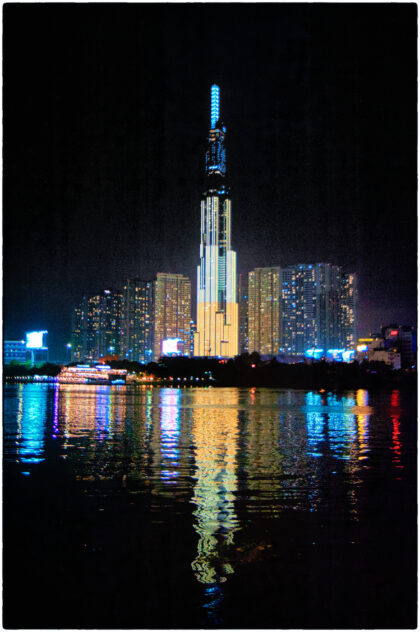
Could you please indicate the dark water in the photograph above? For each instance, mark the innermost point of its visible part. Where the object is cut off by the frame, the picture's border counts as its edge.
(147, 507)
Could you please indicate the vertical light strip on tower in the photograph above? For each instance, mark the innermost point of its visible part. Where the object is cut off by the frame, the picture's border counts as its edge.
(215, 105)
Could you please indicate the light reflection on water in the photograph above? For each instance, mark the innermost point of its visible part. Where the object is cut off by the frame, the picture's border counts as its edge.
(202, 450)
(215, 440)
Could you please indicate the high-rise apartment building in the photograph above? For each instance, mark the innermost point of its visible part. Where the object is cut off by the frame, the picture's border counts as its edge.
(217, 307)
(138, 320)
(97, 325)
(349, 310)
(263, 310)
(301, 307)
(298, 309)
(79, 331)
(243, 313)
(172, 311)
(318, 308)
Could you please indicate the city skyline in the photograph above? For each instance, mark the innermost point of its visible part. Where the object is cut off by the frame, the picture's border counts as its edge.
(103, 152)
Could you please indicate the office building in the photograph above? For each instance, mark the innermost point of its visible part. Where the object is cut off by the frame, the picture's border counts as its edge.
(172, 311)
(401, 339)
(217, 307)
(263, 310)
(14, 351)
(138, 321)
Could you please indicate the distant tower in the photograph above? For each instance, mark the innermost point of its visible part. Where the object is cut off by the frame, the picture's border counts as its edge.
(172, 311)
(217, 307)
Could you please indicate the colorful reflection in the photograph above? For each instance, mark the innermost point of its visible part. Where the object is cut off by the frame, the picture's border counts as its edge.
(396, 430)
(331, 425)
(31, 422)
(55, 418)
(215, 439)
(170, 400)
(104, 410)
(362, 401)
(263, 455)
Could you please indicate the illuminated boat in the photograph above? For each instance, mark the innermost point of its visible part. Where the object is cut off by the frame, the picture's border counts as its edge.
(92, 374)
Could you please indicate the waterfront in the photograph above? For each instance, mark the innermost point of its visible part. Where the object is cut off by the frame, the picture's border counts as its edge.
(200, 507)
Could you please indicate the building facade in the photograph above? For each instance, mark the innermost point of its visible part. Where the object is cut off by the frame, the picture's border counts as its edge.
(298, 308)
(138, 320)
(264, 310)
(401, 339)
(97, 324)
(217, 307)
(298, 322)
(349, 310)
(318, 308)
(14, 351)
(243, 313)
(172, 311)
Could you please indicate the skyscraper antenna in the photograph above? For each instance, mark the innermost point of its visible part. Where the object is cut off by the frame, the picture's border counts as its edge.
(215, 105)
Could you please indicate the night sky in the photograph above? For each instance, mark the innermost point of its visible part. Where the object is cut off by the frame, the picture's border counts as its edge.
(106, 113)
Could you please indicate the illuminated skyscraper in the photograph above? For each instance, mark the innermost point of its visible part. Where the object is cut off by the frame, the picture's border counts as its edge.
(217, 307)
(318, 308)
(263, 310)
(243, 313)
(348, 309)
(138, 320)
(97, 326)
(172, 311)
(298, 309)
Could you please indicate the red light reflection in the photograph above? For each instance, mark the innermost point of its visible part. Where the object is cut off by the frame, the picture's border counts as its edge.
(396, 430)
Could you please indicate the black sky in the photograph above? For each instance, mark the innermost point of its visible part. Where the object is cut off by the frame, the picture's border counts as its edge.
(106, 112)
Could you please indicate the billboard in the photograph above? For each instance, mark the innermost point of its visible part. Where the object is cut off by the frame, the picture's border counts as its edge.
(170, 346)
(36, 339)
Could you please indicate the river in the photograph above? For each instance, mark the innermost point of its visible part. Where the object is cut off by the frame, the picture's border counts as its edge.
(152, 507)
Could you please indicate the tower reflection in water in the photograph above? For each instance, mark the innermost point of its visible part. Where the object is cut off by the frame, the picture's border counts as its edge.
(215, 439)
(170, 429)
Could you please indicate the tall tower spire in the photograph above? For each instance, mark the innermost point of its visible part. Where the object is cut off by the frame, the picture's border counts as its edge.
(215, 105)
(217, 308)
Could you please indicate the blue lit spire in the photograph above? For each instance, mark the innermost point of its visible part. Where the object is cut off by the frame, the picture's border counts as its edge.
(215, 105)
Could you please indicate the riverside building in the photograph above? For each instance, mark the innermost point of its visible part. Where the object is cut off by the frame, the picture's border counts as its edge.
(138, 321)
(217, 307)
(172, 311)
(243, 313)
(263, 310)
(97, 323)
(318, 308)
(303, 307)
